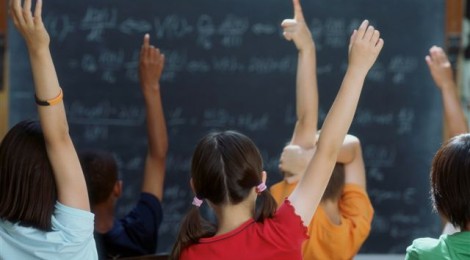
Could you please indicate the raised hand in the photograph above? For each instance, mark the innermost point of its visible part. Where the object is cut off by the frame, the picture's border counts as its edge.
(150, 65)
(364, 48)
(296, 29)
(440, 67)
(150, 71)
(31, 27)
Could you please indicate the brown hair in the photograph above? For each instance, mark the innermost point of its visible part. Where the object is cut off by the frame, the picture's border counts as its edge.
(450, 180)
(27, 186)
(101, 174)
(335, 186)
(225, 168)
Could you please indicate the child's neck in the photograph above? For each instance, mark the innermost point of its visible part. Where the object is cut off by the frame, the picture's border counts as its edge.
(231, 217)
(331, 209)
(104, 218)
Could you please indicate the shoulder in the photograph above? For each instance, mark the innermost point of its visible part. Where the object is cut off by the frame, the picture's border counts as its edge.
(72, 221)
(278, 186)
(355, 200)
(149, 200)
(143, 220)
(425, 248)
(286, 224)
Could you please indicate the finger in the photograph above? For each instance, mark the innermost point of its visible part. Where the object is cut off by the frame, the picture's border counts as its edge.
(17, 12)
(287, 36)
(441, 55)
(362, 29)
(162, 60)
(435, 54)
(146, 40)
(155, 55)
(380, 44)
(145, 46)
(353, 37)
(38, 12)
(428, 60)
(28, 16)
(298, 14)
(375, 36)
(369, 32)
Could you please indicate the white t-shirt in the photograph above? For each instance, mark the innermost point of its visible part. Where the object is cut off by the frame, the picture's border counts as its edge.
(71, 237)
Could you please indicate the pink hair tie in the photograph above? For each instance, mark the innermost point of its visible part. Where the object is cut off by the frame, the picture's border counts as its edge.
(197, 202)
(260, 188)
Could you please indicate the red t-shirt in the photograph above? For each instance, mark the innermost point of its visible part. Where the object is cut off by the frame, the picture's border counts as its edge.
(280, 237)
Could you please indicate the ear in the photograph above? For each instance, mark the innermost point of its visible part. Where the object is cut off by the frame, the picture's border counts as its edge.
(264, 176)
(117, 190)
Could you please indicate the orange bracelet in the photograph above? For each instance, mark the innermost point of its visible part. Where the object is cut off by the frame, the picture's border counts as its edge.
(50, 102)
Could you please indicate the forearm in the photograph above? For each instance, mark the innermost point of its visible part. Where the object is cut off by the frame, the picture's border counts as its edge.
(53, 119)
(154, 172)
(306, 99)
(454, 116)
(156, 126)
(341, 114)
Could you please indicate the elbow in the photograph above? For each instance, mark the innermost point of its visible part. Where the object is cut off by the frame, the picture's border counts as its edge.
(328, 150)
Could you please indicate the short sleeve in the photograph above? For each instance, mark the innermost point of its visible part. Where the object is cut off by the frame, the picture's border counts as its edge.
(77, 225)
(138, 230)
(411, 253)
(286, 228)
(356, 208)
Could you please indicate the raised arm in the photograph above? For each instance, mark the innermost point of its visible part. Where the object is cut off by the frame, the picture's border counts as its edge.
(295, 159)
(68, 174)
(365, 46)
(351, 156)
(307, 91)
(441, 72)
(150, 68)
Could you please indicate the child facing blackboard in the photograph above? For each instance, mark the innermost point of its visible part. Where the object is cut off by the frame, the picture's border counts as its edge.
(450, 178)
(44, 208)
(227, 173)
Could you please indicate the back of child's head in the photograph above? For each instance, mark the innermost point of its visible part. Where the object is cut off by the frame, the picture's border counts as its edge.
(226, 166)
(28, 191)
(335, 186)
(450, 180)
(101, 174)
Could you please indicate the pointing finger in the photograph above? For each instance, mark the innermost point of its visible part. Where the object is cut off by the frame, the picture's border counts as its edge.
(298, 14)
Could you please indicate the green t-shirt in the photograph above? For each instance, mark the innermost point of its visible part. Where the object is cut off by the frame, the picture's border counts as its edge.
(456, 246)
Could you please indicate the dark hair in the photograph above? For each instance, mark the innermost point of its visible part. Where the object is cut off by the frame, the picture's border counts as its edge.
(335, 186)
(225, 168)
(101, 174)
(28, 191)
(450, 180)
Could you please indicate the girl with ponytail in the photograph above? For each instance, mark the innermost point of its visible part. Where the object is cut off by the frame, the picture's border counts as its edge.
(227, 172)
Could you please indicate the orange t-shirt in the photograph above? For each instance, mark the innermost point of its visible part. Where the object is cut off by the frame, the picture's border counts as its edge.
(328, 240)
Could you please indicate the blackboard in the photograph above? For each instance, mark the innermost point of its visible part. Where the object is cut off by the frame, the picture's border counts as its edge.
(228, 67)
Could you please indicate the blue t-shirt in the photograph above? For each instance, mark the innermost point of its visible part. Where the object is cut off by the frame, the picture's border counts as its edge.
(134, 235)
(71, 237)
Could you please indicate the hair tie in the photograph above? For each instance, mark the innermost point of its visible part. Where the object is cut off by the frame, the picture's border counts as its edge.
(260, 188)
(197, 202)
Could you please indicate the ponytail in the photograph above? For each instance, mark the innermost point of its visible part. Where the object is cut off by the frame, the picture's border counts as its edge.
(193, 227)
(267, 206)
